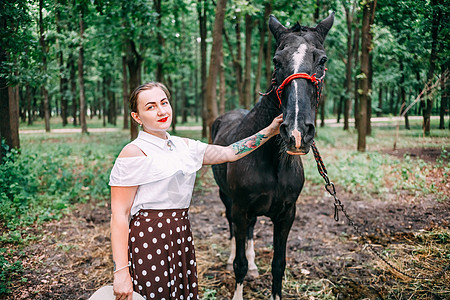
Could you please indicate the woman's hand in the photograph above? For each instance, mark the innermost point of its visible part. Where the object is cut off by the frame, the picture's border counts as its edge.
(123, 288)
(274, 127)
(216, 154)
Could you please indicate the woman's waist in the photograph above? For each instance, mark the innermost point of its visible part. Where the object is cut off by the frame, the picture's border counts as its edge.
(171, 213)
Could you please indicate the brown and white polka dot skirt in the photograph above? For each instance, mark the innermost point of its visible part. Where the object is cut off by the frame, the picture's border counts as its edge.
(162, 255)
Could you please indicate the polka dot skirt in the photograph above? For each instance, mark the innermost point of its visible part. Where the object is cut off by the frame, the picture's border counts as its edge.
(162, 256)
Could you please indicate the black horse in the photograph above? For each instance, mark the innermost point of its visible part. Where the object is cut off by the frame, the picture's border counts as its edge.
(269, 181)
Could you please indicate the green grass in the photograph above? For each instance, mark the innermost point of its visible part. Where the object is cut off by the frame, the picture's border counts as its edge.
(55, 171)
(372, 172)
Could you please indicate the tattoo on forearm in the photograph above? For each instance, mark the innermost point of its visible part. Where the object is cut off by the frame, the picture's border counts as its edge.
(249, 143)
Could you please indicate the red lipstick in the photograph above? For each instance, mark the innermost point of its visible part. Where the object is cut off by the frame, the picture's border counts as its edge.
(163, 120)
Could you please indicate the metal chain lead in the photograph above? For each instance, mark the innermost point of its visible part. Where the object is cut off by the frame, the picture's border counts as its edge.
(329, 186)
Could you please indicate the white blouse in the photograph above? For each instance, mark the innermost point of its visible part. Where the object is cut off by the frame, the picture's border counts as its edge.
(165, 176)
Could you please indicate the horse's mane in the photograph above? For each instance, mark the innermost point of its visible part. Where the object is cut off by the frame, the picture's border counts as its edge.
(299, 28)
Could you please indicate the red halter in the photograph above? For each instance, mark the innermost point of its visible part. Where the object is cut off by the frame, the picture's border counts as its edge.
(316, 81)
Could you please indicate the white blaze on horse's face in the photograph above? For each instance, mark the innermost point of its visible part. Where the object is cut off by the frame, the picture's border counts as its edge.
(298, 57)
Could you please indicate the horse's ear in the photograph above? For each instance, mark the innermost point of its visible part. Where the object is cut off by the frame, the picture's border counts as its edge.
(323, 27)
(275, 27)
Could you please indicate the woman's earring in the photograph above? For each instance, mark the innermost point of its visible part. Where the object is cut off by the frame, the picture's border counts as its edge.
(140, 124)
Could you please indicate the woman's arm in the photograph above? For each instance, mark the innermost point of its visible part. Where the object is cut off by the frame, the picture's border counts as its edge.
(121, 201)
(216, 154)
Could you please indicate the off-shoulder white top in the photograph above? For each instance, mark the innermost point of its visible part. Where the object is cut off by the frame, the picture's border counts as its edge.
(165, 176)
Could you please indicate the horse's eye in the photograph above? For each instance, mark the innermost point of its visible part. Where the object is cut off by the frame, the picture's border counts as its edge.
(323, 60)
(276, 63)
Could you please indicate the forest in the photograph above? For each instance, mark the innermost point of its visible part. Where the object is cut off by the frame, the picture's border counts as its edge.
(74, 60)
(67, 68)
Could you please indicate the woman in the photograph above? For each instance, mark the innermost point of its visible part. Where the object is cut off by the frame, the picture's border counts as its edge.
(152, 181)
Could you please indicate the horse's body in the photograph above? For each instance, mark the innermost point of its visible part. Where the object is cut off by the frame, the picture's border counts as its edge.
(269, 181)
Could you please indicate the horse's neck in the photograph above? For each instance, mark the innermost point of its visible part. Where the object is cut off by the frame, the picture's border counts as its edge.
(258, 118)
(263, 113)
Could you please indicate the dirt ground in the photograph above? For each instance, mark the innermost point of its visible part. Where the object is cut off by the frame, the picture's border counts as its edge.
(325, 258)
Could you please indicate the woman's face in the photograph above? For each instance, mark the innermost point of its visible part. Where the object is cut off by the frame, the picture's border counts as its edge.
(153, 112)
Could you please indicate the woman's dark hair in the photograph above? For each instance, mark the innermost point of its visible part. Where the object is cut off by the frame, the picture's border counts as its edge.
(147, 86)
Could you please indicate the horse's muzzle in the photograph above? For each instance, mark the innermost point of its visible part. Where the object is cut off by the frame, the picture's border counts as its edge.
(296, 142)
(295, 153)
(300, 151)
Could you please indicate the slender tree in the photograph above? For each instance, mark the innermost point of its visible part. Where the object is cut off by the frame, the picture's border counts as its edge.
(211, 92)
(44, 66)
(63, 83)
(125, 92)
(160, 38)
(248, 60)
(350, 10)
(83, 122)
(428, 105)
(368, 13)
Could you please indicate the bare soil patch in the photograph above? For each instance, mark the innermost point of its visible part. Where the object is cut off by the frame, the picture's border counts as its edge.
(426, 154)
(72, 257)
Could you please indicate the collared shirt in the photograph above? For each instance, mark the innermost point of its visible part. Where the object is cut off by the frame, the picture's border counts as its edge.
(165, 176)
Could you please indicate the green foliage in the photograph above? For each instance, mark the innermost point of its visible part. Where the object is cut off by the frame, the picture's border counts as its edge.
(42, 182)
(47, 178)
(8, 270)
(209, 294)
(18, 187)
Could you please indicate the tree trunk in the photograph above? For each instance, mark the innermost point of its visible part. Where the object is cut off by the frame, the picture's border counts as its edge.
(348, 68)
(322, 110)
(237, 62)
(125, 93)
(44, 67)
(356, 40)
(28, 100)
(63, 89)
(380, 100)
(268, 58)
(197, 92)
(103, 100)
(113, 107)
(81, 76)
(342, 99)
(369, 95)
(111, 101)
(62, 78)
(160, 46)
(201, 10)
(134, 61)
(444, 96)
(248, 61)
(73, 88)
(262, 35)
(14, 115)
(432, 64)
(403, 93)
(222, 87)
(213, 66)
(368, 12)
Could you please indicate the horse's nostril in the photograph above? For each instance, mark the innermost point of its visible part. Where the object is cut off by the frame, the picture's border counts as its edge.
(284, 131)
(310, 132)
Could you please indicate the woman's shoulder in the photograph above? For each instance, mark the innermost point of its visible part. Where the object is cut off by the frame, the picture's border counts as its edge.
(131, 150)
(179, 138)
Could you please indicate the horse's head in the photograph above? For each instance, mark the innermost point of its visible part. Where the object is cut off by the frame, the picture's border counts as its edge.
(299, 50)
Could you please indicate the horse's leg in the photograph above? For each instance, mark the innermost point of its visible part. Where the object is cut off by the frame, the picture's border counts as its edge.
(227, 201)
(240, 263)
(281, 230)
(250, 251)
